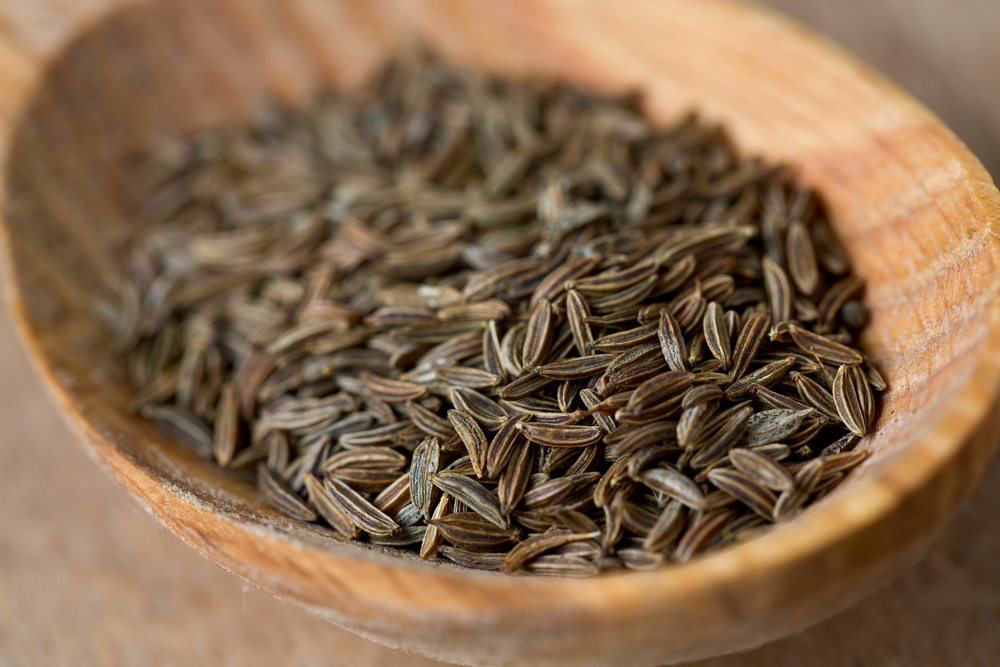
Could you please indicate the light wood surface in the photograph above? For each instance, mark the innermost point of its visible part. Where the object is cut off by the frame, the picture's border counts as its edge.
(752, 134)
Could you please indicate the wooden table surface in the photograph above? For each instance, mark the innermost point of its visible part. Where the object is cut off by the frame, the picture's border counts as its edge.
(86, 578)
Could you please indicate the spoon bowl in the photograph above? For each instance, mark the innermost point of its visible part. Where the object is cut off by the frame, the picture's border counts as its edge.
(915, 210)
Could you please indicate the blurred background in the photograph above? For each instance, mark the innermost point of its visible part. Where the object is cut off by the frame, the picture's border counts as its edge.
(86, 578)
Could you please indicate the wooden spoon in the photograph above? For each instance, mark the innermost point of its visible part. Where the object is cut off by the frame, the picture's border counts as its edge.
(915, 209)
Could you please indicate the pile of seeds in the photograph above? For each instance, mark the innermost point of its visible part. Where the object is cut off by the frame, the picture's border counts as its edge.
(502, 322)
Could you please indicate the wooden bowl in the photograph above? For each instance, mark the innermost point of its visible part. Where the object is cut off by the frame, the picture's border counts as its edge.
(915, 209)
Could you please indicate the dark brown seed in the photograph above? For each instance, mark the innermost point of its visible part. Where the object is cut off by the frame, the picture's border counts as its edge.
(424, 464)
(538, 335)
(555, 283)
(470, 378)
(505, 442)
(801, 256)
(779, 290)
(491, 350)
(560, 565)
(560, 435)
(678, 486)
(432, 539)
(429, 422)
(576, 368)
(667, 528)
(842, 444)
(766, 375)
(577, 313)
(484, 410)
(834, 299)
(853, 399)
(227, 423)
(700, 532)
(525, 386)
(717, 333)
(742, 487)
(514, 479)
(472, 436)
(670, 386)
(625, 340)
(721, 435)
(552, 491)
(279, 496)
(773, 400)
(328, 508)
(615, 281)
(672, 342)
(395, 496)
(630, 439)
(761, 468)
(815, 395)
(701, 395)
(691, 425)
(751, 336)
(380, 435)
(835, 463)
(806, 479)
(566, 394)
(475, 496)
(823, 347)
(472, 559)
(770, 426)
(468, 530)
(537, 545)
(367, 458)
(361, 513)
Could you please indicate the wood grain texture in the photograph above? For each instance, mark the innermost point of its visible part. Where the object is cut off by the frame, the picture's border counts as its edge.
(913, 207)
